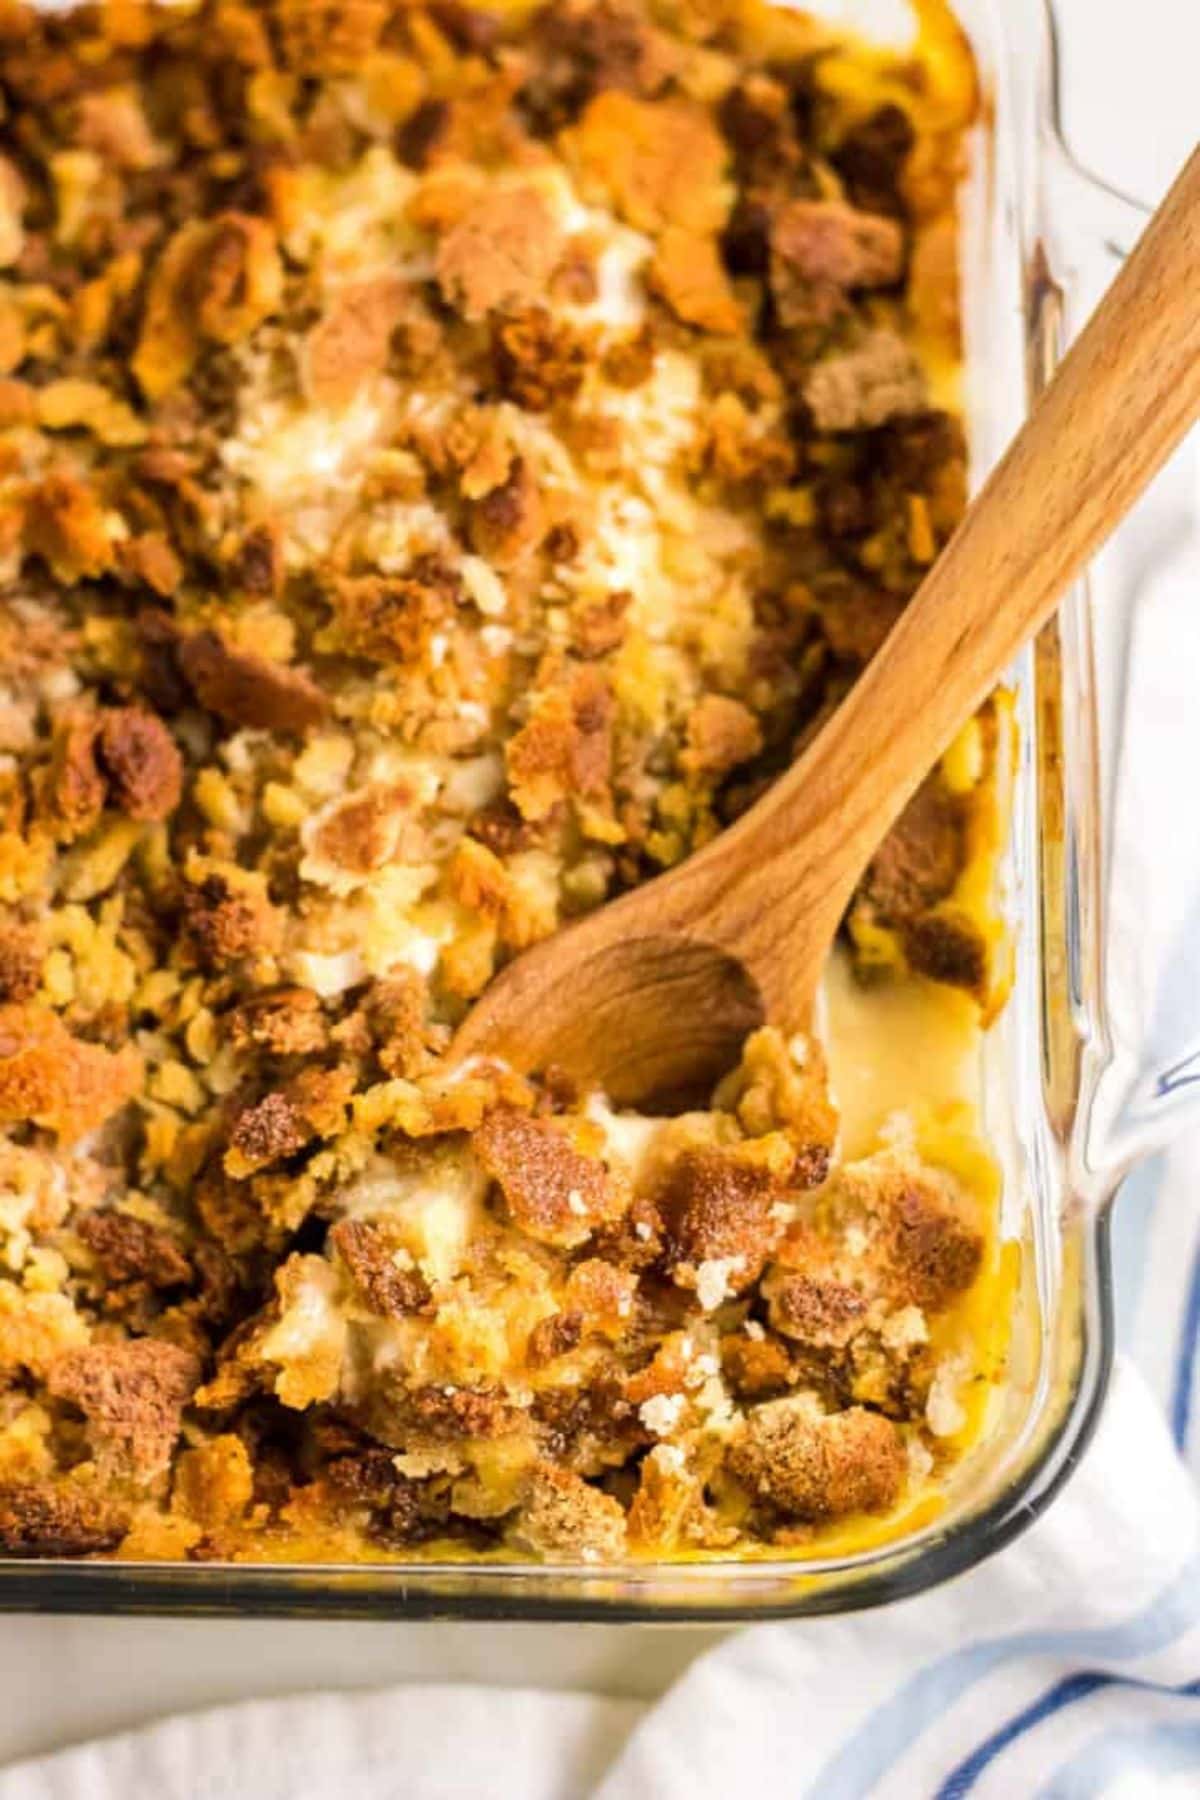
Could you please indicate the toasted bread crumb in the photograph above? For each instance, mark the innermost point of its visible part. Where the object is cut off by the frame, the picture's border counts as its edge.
(132, 1395)
(248, 690)
(541, 1174)
(689, 275)
(57, 1519)
(717, 1207)
(143, 766)
(819, 1466)
(387, 1288)
(563, 1518)
(56, 1080)
(502, 252)
(126, 1248)
(662, 163)
(352, 341)
(864, 387)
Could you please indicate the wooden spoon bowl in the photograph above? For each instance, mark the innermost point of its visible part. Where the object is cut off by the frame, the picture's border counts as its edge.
(662, 1016)
(653, 995)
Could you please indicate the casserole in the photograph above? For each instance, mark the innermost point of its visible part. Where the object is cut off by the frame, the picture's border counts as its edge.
(1057, 1366)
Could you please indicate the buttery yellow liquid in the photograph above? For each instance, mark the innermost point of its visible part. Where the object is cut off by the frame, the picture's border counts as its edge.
(908, 1046)
(894, 1047)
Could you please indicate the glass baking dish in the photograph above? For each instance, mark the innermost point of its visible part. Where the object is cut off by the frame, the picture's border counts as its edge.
(1041, 239)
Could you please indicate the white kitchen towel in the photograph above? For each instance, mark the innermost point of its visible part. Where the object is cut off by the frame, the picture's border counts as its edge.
(1153, 966)
(1065, 1667)
(419, 1743)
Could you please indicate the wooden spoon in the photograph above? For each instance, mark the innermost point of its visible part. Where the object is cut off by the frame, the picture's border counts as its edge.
(654, 993)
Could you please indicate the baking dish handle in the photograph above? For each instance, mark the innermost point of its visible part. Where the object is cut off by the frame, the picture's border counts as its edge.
(1141, 612)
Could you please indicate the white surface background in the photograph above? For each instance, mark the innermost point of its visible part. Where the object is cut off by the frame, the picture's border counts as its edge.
(1131, 69)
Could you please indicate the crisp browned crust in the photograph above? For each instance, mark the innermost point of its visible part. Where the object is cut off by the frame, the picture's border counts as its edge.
(352, 342)
(55, 1080)
(214, 1483)
(273, 1128)
(594, 46)
(386, 1287)
(552, 1192)
(143, 766)
(601, 625)
(123, 757)
(126, 1248)
(932, 1254)
(361, 833)
(397, 1513)
(65, 527)
(820, 241)
(449, 1413)
(216, 280)
(399, 1020)
(562, 1517)
(285, 1021)
(660, 163)
(248, 690)
(689, 275)
(566, 747)
(721, 733)
(822, 1313)
(21, 955)
(42, 1518)
(72, 788)
(716, 1208)
(756, 1368)
(921, 858)
(509, 520)
(875, 381)
(392, 619)
(502, 252)
(539, 361)
(132, 1396)
(224, 920)
(553, 1337)
(813, 1466)
(269, 1130)
(772, 1090)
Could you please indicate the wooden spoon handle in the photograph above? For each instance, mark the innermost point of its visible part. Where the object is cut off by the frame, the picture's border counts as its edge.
(1122, 400)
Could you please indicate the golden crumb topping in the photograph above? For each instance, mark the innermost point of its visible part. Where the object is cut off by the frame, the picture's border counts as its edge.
(451, 458)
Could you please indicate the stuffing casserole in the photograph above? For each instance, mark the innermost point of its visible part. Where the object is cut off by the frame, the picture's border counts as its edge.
(449, 460)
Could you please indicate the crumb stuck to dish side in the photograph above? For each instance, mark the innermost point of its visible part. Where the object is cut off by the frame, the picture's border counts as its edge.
(449, 462)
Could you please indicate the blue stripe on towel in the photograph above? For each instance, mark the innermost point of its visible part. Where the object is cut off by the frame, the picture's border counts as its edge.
(961, 1780)
(1063, 1694)
(1185, 1368)
(1151, 1750)
(874, 1749)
